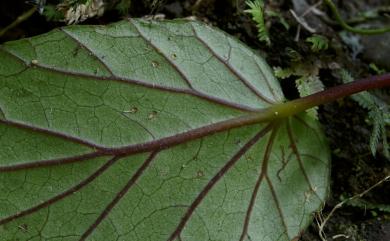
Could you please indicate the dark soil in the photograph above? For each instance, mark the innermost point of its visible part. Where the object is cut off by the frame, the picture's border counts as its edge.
(354, 169)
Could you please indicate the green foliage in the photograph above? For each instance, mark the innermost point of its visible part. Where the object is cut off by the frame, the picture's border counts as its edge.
(280, 18)
(308, 85)
(294, 55)
(376, 69)
(123, 6)
(366, 205)
(308, 81)
(283, 73)
(347, 27)
(52, 14)
(76, 2)
(39, 3)
(142, 130)
(378, 114)
(318, 43)
(256, 10)
(74, 11)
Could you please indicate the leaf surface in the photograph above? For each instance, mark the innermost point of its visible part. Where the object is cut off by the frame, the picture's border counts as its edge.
(134, 131)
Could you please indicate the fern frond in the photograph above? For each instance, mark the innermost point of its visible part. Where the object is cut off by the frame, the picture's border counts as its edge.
(256, 10)
(280, 18)
(378, 114)
(386, 117)
(376, 69)
(366, 205)
(308, 85)
(294, 55)
(318, 42)
(386, 148)
(364, 98)
(375, 115)
(283, 73)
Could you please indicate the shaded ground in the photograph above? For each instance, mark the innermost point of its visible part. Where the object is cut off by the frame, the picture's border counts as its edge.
(354, 169)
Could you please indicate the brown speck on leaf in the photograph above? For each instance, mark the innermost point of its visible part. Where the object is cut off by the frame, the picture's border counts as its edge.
(200, 173)
(155, 64)
(133, 110)
(249, 158)
(23, 227)
(152, 115)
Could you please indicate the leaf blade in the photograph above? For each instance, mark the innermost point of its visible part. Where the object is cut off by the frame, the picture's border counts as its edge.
(150, 139)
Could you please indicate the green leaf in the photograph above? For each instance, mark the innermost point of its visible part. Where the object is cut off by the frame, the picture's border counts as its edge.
(138, 131)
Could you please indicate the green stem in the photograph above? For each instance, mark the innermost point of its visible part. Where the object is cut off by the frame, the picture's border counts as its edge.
(349, 28)
(299, 105)
(284, 110)
(18, 20)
